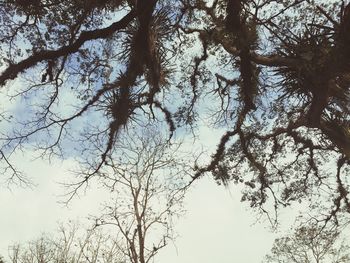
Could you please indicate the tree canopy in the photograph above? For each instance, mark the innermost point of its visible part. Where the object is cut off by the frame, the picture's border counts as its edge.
(274, 74)
(310, 243)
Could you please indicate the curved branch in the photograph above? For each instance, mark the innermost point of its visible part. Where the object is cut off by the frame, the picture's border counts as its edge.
(13, 70)
(216, 157)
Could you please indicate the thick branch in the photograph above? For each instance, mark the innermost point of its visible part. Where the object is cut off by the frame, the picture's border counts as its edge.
(13, 70)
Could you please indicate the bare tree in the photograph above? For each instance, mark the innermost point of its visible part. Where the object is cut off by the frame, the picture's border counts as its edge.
(147, 183)
(146, 179)
(71, 244)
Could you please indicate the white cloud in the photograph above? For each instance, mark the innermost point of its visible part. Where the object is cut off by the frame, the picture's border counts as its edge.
(217, 228)
(26, 213)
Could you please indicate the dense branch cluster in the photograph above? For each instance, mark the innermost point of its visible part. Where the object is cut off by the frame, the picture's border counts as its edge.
(71, 244)
(275, 73)
(310, 243)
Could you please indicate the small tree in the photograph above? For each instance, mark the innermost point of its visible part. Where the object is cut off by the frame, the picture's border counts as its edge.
(310, 244)
(146, 177)
(71, 245)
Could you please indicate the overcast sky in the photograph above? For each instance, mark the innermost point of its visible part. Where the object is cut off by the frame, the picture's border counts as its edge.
(216, 228)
